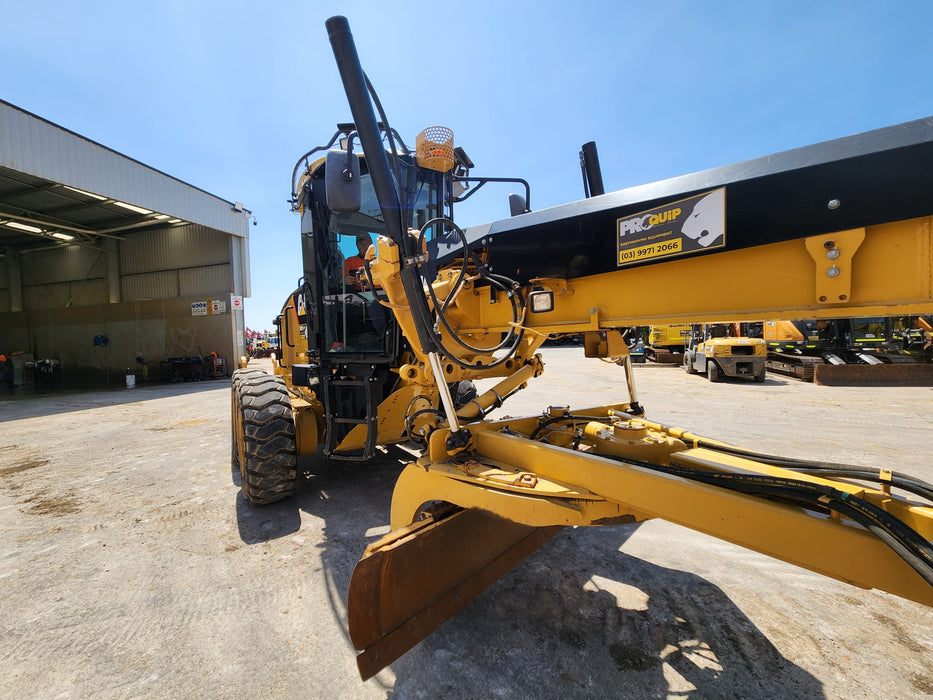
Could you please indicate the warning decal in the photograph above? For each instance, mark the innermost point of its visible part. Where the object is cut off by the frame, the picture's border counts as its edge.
(690, 225)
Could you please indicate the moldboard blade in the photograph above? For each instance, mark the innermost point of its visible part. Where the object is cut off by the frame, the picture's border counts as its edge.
(414, 579)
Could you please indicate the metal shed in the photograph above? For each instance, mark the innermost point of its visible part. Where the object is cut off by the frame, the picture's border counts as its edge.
(107, 264)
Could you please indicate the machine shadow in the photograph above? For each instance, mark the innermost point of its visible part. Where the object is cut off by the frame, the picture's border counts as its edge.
(578, 618)
(352, 499)
(568, 622)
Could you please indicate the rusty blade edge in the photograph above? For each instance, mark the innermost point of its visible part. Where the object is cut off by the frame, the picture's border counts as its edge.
(394, 644)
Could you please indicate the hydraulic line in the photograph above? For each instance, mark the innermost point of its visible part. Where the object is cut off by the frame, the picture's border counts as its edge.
(570, 418)
(512, 339)
(906, 542)
(911, 484)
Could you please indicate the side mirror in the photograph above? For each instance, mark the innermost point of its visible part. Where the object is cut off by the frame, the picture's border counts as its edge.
(517, 205)
(342, 181)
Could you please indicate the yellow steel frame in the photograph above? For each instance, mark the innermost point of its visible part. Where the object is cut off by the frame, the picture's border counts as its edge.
(879, 270)
(533, 483)
(884, 270)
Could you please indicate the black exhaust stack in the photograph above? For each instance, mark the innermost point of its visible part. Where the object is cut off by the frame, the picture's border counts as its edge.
(354, 85)
(592, 175)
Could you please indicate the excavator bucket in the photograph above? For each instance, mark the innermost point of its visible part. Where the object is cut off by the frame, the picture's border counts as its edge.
(415, 578)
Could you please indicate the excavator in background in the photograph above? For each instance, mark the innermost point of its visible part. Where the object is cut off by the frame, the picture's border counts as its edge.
(916, 337)
(666, 343)
(873, 350)
(894, 340)
(389, 355)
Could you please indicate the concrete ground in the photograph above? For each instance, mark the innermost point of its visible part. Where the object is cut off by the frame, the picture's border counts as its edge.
(132, 567)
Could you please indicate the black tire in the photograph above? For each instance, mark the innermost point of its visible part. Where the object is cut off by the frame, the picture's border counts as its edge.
(688, 363)
(713, 373)
(760, 377)
(236, 380)
(267, 455)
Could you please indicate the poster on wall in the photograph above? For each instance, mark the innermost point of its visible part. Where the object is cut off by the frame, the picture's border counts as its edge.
(199, 308)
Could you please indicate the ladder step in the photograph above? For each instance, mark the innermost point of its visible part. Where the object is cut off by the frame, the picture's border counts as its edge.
(338, 391)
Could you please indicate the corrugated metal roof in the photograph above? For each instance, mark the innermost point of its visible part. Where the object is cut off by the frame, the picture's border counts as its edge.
(37, 147)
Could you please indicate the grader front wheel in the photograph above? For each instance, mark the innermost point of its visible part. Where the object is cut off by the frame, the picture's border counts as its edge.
(236, 427)
(264, 437)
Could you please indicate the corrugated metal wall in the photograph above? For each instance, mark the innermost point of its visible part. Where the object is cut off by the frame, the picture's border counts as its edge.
(63, 264)
(173, 248)
(175, 262)
(168, 263)
(151, 285)
(63, 277)
(65, 295)
(199, 281)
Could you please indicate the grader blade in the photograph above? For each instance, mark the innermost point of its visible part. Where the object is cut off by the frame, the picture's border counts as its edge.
(412, 580)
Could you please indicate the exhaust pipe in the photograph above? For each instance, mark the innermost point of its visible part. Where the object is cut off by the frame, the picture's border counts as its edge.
(592, 174)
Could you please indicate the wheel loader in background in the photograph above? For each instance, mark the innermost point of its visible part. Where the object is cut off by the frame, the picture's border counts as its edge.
(388, 356)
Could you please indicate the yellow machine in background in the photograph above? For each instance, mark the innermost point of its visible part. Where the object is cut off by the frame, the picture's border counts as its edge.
(394, 359)
(666, 343)
(865, 351)
(719, 350)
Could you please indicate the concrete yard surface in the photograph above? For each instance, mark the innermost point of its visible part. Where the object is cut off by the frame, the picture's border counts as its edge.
(131, 566)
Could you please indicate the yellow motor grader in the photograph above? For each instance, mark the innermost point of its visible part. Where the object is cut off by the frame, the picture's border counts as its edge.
(385, 350)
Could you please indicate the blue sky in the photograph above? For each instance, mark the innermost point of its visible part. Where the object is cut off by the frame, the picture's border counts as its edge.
(228, 95)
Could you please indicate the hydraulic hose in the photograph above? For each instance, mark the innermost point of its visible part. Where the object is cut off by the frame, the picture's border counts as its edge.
(906, 542)
(512, 338)
(911, 484)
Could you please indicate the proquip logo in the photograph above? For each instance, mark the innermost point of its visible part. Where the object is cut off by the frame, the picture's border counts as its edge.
(648, 221)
